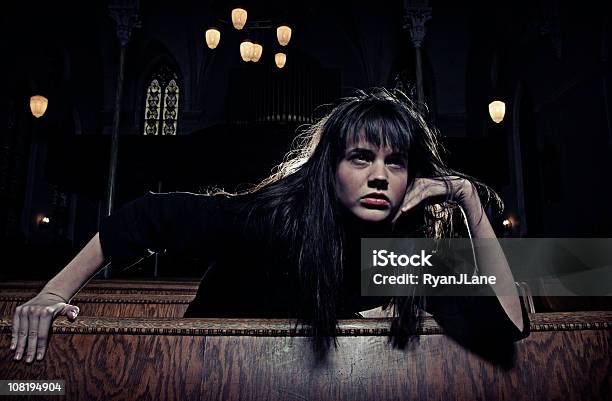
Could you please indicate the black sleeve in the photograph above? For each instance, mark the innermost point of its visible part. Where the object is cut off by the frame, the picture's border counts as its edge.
(476, 317)
(180, 222)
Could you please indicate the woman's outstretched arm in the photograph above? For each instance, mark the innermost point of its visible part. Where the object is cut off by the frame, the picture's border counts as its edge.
(32, 320)
(179, 222)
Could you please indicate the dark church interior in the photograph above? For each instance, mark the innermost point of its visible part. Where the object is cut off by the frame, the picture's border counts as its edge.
(107, 100)
(235, 120)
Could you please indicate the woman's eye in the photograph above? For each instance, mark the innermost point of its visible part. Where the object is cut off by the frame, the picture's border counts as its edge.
(360, 158)
(396, 163)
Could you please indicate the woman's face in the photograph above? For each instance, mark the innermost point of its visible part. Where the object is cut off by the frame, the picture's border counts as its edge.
(371, 182)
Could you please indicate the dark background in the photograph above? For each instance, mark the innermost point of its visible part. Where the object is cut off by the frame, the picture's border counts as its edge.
(548, 60)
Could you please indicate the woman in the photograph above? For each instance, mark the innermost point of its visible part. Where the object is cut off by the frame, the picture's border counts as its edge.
(289, 247)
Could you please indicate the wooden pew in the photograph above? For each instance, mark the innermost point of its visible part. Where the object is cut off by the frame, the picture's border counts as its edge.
(119, 298)
(117, 305)
(136, 286)
(132, 298)
(566, 357)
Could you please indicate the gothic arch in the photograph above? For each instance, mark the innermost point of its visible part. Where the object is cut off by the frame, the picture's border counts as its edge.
(161, 60)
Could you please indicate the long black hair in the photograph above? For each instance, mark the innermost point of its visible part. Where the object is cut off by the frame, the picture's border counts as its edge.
(300, 197)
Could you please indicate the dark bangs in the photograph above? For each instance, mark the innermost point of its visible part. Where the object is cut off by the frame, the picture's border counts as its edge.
(382, 124)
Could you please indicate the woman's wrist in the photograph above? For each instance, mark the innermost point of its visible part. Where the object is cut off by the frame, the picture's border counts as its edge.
(477, 221)
(55, 292)
(467, 196)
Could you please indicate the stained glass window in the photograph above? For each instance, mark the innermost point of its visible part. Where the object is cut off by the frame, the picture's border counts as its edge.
(171, 98)
(152, 106)
(162, 103)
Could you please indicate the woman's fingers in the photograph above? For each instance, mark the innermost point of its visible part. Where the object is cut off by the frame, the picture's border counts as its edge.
(15, 332)
(397, 216)
(44, 327)
(423, 188)
(33, 319)
(71, 311)
(22, 331)
(47, 314)
(31, 328)
(415, 194)
(410, 199)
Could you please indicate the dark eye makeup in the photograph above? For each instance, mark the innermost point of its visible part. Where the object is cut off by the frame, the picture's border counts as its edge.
(359, 154)
(397, 159)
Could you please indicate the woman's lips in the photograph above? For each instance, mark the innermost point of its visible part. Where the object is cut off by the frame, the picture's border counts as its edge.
(375, 201)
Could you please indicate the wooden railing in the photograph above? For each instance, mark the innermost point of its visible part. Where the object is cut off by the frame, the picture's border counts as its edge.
(120, 298)
(130, 343)
(566, 357)
(112, 286)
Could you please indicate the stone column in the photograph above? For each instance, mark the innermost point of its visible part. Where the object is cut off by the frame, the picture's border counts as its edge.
(417, 13)
(125, 14)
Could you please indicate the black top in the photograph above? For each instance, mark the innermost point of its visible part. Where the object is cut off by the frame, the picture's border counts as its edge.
(249, 273)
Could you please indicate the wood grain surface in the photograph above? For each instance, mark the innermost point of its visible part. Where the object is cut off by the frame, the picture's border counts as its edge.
(566, 357)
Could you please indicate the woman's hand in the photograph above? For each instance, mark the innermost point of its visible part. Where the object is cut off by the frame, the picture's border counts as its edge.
(32, 322)
(451, 188)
